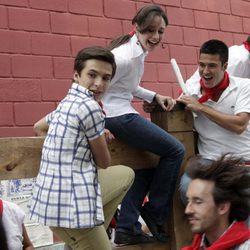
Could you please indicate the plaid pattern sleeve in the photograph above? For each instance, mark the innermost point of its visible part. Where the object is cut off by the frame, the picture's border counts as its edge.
(67, 192)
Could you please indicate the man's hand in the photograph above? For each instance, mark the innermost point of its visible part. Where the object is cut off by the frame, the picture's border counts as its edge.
(190, 102)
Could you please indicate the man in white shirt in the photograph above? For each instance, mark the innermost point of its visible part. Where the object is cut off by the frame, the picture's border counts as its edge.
(222, 105)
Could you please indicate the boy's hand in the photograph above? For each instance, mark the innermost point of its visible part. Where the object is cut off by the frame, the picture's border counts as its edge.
(108, 135)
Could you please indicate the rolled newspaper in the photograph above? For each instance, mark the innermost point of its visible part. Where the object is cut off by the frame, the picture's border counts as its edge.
(180, 79)
(179, 76)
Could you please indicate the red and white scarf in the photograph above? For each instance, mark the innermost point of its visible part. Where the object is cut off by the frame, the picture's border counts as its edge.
(237, 234)
(210, 93)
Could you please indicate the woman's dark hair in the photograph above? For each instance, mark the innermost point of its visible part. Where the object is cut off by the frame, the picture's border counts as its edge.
(95, 52)
(3, 238)
(143, 19)
(215, 47)
(232, 183)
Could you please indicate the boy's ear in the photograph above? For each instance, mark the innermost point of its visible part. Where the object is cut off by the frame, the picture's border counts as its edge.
(75, 76)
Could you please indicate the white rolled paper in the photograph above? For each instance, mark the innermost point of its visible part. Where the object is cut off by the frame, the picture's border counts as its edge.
(180, 79)
(179, 76)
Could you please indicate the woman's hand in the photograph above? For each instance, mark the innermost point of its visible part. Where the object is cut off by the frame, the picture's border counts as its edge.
(166, 102)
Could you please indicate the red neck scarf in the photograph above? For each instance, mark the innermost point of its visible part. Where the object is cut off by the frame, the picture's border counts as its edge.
(234, 236)
(132, 32)
(247, 44)
(211, 93)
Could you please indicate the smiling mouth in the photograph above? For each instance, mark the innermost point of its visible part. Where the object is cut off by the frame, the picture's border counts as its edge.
(207, 78)
(153, 43)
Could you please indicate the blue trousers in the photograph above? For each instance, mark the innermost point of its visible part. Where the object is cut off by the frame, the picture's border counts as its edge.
(159, 182)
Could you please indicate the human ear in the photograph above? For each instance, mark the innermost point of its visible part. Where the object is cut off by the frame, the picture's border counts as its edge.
(225, 66)
(76, 77)
(224, 208)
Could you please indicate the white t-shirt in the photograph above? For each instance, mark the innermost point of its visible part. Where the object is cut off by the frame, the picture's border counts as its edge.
(13, 218)
(214, 140)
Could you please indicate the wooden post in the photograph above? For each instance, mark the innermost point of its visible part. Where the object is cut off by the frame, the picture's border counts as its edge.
(179, 123)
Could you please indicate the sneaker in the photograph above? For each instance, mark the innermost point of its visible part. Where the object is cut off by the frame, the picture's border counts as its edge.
(125, 237)
(158, 231)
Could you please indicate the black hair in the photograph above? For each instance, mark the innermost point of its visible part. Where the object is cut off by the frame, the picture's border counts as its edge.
(215, 47)
(95, 52)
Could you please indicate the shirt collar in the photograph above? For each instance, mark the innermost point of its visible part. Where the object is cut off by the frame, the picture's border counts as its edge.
(79, 88)
(137, 48)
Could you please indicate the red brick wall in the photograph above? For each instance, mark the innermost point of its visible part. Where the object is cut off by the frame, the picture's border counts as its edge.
(39, 39)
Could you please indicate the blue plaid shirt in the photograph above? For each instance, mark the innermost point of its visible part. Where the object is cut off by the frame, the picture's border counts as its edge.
(67, 193)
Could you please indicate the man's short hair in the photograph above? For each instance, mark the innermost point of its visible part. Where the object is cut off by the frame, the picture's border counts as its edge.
(232, 182)
(215, 47)
(94, 52)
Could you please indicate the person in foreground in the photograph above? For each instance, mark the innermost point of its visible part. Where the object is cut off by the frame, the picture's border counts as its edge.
(74, 191)
(221, 103)
(127, 125)
(13, 234)
(218, 204)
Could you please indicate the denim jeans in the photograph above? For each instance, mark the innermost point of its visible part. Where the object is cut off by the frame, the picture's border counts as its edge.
(159, 182)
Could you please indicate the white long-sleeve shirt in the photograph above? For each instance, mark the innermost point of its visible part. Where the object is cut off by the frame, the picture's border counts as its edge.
(124, 86)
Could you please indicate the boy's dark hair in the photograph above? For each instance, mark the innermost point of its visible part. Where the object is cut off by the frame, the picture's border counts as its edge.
(144, 19)
(215, 47)
(95, 52)
(232, 183)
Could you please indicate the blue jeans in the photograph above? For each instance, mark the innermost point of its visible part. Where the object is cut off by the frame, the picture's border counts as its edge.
(159, 182)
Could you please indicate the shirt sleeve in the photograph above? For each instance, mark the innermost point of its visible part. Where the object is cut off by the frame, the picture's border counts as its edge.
(144, 94)
(49, 117)
(91, 119)
(238, 62)
(243, 98)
